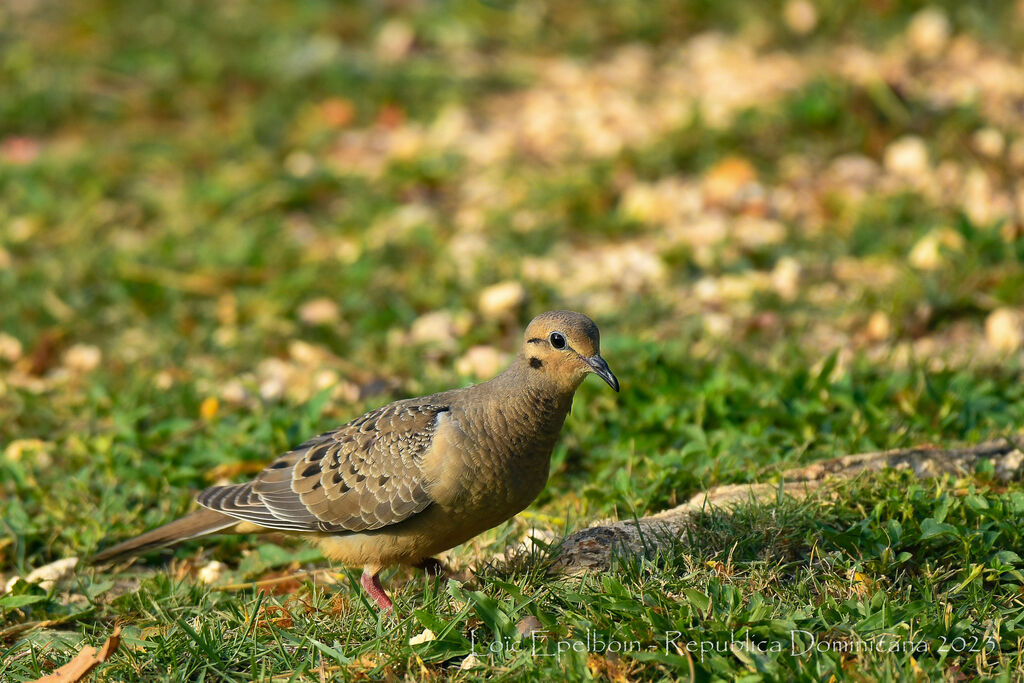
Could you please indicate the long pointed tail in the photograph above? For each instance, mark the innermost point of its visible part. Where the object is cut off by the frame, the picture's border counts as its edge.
(199, 523)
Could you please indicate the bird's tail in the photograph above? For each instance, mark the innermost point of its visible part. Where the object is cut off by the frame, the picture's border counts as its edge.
(199, 523)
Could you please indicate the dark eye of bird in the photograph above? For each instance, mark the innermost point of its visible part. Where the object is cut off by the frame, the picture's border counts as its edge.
(557, 340)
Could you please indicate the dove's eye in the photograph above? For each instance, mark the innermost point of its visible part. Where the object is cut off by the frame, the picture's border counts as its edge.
(557, 340)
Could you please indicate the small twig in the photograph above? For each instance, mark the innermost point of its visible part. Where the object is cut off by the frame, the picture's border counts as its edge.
(18, 629)
(270, 582)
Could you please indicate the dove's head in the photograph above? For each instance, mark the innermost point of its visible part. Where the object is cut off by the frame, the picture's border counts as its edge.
(566, 347)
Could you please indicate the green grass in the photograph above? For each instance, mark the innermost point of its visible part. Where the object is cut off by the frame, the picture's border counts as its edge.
(199, 173)
(921, 581)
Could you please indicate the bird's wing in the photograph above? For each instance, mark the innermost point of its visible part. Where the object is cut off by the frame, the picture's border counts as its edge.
(363, 476)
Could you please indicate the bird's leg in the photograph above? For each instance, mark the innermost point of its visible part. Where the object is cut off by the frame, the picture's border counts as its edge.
(371, 584)
(433, 567)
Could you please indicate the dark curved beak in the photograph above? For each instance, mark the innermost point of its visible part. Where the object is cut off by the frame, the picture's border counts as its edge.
(601, 369)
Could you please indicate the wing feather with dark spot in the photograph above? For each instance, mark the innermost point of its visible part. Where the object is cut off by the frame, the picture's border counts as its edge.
(363, 476)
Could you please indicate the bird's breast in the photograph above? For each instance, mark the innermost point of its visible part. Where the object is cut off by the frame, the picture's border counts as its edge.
(491, 466)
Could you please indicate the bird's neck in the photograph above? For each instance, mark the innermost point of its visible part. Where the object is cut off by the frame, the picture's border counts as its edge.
(531, 399)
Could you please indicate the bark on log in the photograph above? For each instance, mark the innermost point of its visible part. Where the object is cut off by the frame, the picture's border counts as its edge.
(593, 548)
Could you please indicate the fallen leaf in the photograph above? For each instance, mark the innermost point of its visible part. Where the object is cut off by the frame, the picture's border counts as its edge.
(426, 636)
(319, 311)
(47, 575)
(209, 407)
(1004, 329)
(10, 347)
(502, 301)
(211, 572)
(83, 358)
(85, 661)
(266, 617)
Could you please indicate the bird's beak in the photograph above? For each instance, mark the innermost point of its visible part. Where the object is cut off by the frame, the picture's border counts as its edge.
(601, 369)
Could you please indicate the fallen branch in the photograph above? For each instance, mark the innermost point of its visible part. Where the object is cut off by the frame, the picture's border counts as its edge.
(593, 548)
(312, 574)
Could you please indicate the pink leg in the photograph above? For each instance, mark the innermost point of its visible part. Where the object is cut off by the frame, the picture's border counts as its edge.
(371, 584)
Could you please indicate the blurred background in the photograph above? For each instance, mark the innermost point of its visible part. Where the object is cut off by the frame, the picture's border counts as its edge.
(225, 226)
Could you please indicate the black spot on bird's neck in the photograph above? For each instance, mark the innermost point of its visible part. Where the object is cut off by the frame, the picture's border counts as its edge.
(536, 363)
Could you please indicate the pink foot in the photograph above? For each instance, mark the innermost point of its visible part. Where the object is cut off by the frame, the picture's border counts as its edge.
(371, 584)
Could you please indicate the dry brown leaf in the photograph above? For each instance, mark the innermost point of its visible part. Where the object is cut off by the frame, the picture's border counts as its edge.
(274, 615)
(85, 661)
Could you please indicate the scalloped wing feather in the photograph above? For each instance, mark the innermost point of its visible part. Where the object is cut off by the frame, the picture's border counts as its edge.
(363, 476)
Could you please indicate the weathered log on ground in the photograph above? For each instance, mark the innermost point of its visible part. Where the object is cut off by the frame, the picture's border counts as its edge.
(593, 548)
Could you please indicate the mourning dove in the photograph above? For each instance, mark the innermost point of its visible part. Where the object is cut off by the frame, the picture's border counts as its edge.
(418, 476)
